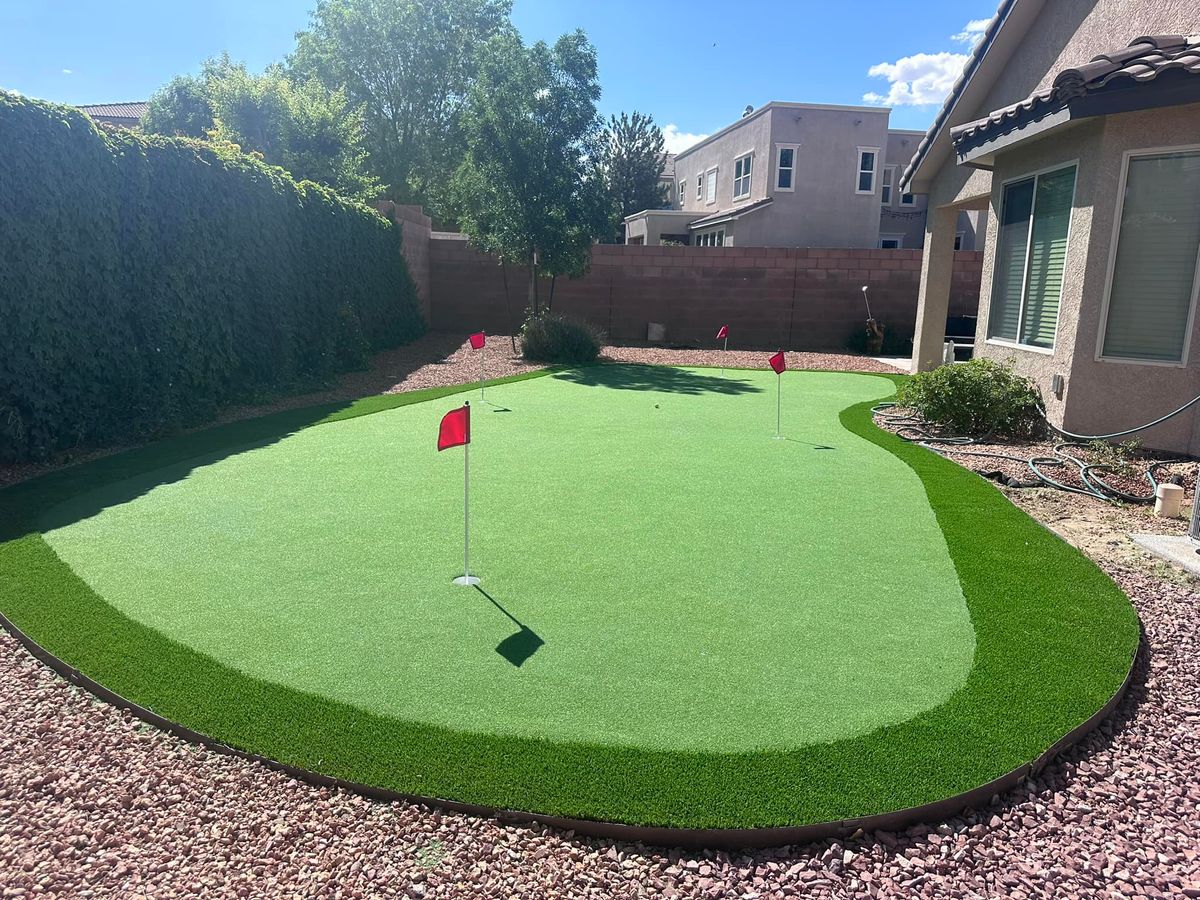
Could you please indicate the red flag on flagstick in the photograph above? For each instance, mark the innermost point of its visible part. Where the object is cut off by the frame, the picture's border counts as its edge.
(723, 333)
(778, 363)
(478, 339)
(456, 428)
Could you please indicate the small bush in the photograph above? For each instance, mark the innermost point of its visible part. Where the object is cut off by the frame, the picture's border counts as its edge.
(980, 397)
(550, 338)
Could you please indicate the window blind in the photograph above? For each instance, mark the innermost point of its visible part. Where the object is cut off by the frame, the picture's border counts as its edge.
(1154, 274)
(1008, 281)
(1047, 255)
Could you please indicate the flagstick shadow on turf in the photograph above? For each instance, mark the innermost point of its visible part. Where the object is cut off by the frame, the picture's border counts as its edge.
(516, 648)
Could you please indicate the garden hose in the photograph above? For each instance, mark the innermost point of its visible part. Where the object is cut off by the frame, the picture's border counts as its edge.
(913, 428)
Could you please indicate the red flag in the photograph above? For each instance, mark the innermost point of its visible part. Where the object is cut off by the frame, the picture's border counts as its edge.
(478, 339)
(778, 363)
(456, 428)
(723, 333)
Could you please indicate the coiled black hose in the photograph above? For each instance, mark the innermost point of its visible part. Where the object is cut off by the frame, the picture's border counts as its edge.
(914, 429)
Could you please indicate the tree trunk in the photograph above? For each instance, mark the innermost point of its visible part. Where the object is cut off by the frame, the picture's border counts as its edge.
(512, 332)
(550, 302)
(533, 296)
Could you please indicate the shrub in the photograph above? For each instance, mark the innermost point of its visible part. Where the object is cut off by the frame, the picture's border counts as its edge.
(551, 338)
(979, 397)
(147, 281)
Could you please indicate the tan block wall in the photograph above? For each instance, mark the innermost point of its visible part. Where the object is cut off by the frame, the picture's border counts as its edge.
(770, 297)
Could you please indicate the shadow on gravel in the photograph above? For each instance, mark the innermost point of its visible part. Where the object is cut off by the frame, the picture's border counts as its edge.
(628, 377)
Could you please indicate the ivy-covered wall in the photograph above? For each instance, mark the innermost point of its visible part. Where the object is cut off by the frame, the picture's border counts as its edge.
(145, 282)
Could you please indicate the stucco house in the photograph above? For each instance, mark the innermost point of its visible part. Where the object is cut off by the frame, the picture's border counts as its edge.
(795, 175)
(1081, 135)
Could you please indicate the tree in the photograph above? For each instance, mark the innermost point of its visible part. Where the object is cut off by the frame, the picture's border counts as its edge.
(311, 132)
(631, 160)
(409, 64)
(183, 105)
(528, 189)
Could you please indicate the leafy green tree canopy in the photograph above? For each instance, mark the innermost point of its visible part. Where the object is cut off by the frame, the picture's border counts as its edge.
(182, 107)
(631, 160)
(409, 65)
(528, 190)
(311, 132)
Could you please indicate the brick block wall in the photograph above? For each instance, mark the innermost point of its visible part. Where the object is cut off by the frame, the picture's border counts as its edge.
(803, 299)
(415, 230)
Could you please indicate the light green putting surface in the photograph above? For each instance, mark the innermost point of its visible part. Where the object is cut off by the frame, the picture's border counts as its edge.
(684, 581)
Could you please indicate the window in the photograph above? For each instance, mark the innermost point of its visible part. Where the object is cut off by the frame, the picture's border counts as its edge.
(1154, 279)
(710, 186)
(700, 186)
(907, 200)
(958, 239)
(711, 238)
(885, 186)
(1035, 215)
(867, 159)
(891, 241)
(785, 168)
(682, 192)
(741, 176)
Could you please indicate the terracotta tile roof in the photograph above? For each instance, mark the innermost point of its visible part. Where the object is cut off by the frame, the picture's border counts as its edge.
(134, 110)
(1141, 62)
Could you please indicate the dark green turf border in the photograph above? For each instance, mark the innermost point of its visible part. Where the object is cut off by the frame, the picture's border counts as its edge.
(1055, 641)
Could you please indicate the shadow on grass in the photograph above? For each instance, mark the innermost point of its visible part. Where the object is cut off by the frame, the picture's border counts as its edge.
(522, 644)
(69, 495)
(667, 379)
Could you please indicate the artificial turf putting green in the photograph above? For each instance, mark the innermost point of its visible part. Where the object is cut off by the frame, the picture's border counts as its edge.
(686, 621)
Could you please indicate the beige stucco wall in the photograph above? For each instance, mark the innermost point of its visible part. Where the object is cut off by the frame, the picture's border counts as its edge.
(823, 210)
(1098, 396)
(1102, 395)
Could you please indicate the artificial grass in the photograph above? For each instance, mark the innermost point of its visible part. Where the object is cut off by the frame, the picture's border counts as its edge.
(1053, 636)
(697, 585)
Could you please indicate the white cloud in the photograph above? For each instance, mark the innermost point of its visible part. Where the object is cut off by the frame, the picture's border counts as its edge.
(973, 32)
(677, 141)
(924, 79)
(919, 80)
(66, 71)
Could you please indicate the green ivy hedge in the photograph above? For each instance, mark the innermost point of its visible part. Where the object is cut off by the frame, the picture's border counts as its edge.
(147, 281)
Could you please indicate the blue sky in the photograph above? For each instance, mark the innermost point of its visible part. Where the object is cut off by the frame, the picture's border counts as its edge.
(694, 67)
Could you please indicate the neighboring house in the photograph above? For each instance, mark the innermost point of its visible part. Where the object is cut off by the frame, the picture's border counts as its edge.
(666, 178)
(126, 115)
(1082, 136)
(793, 175)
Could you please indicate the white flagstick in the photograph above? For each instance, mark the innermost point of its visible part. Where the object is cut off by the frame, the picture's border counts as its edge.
(778, 405)
(726, 350)
(482, 350)
(466, 578)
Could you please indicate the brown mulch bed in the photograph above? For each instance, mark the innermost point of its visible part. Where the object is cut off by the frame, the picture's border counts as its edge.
(1128, 474)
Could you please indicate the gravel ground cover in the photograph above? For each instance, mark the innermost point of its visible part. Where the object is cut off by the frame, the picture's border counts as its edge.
(1129, 464)
(96, 804)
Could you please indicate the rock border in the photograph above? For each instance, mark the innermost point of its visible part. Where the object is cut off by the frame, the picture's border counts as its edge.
(655, 835)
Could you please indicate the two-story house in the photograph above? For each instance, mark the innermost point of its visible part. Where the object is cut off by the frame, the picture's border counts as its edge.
(794, 175)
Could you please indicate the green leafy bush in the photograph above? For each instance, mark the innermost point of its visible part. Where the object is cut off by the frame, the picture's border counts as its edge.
(979, 397)
(147, 281)
(551, 338)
